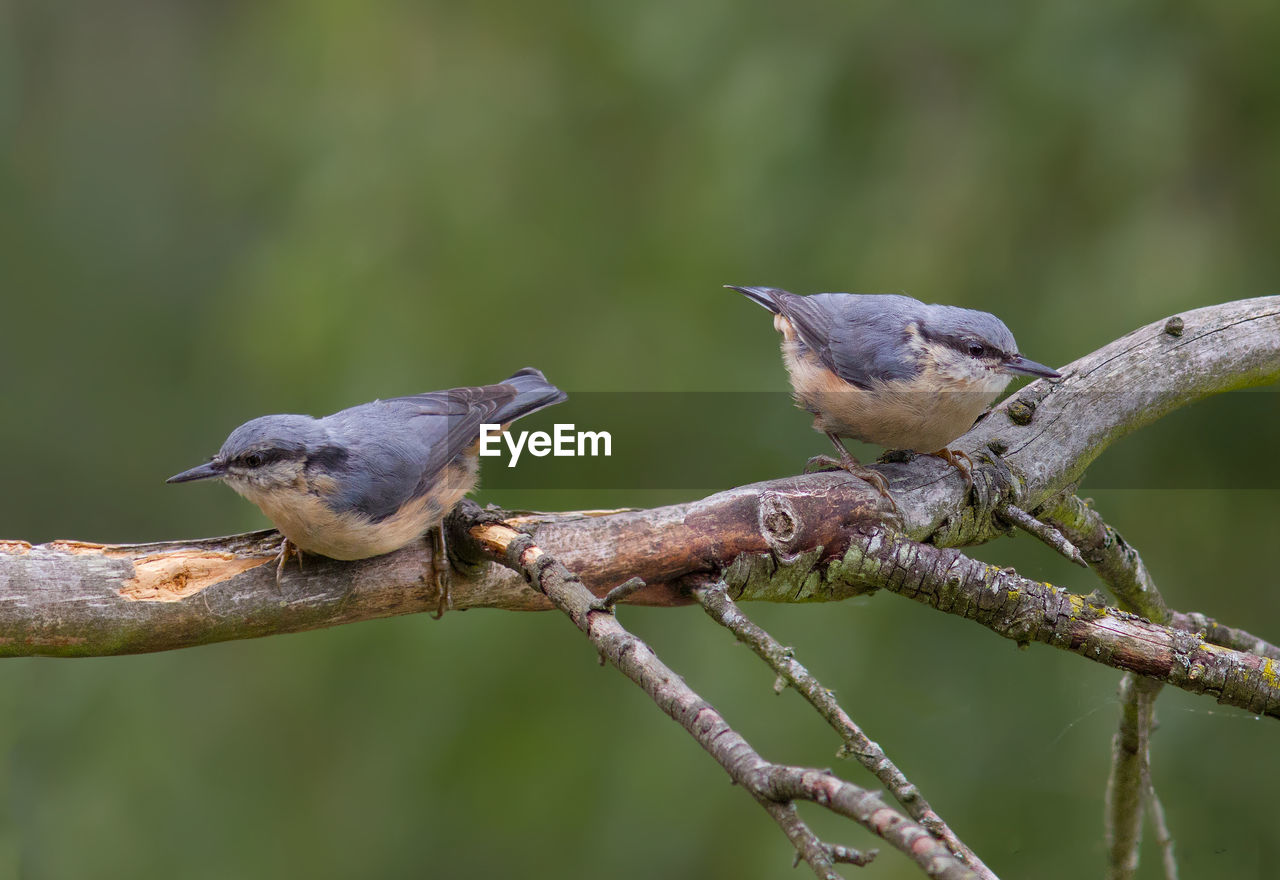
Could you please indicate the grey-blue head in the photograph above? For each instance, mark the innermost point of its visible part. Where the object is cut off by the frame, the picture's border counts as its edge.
(969, 340)
(265, 452)
(978, 338)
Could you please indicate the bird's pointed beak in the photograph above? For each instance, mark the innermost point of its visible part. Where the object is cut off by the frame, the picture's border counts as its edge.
(1024, 367)
(207, 471)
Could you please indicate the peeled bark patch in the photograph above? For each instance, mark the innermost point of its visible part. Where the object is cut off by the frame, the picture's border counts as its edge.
(171, 577)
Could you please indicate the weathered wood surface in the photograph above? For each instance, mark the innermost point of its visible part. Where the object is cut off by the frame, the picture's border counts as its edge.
(76, 598)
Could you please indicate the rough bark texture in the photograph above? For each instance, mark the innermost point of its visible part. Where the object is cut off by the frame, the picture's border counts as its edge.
(776, 539)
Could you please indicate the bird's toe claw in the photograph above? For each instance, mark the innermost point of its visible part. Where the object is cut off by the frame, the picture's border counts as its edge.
(953, 457)
(441, 581)
(441, 572)
(825, 463)
(287, 549)
(822, 463)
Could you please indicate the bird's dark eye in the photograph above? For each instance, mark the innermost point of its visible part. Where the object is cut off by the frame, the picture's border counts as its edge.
(254, 459)
(976, 350)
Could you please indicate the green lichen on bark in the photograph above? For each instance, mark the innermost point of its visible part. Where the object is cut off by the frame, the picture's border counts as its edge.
(801, 578)
(1026, 611)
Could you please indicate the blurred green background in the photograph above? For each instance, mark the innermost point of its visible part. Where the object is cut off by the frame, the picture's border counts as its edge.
(213, 210)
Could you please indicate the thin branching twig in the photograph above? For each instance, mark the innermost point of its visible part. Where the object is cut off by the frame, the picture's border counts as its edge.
(716, 601)
(766, 781)
(1130, 787)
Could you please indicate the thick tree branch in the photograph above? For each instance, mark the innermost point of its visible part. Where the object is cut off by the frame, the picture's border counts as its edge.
(777, 539)
(1028, 611)
(1113, 559)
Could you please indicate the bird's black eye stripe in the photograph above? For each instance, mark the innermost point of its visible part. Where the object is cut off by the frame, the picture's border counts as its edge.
(327, 458)
(255, 459)
(967, 345)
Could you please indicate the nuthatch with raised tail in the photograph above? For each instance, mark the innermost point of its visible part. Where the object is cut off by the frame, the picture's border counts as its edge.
(891, 370)
(370, 479)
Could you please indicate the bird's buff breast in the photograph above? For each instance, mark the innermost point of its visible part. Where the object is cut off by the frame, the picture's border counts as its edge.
(305, 519)
(923, 415)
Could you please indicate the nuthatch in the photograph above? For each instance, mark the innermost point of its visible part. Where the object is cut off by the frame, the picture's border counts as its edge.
(375, 477)
(891, 370)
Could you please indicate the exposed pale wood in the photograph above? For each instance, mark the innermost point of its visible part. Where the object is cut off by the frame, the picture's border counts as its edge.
(78, 598)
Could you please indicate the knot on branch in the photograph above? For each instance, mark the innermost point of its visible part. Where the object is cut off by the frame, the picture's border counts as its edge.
(779, 522)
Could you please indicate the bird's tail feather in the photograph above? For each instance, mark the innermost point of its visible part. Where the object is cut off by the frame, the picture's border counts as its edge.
(764, 296)
(533, 392)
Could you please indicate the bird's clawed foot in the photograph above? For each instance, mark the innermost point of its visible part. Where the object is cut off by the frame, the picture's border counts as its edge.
(952, 457)
(440, 571)
(848, 463)
(822, 463)
(875, 478)
(287, 549)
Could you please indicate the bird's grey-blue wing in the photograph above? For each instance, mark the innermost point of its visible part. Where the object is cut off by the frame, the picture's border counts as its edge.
(859, 337)
(398, 447)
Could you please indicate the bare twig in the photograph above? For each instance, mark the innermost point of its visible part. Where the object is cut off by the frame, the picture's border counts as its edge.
(783, 783)
(1216, 633)
(619, 593)
(820, 857)
(1043, 531)
(766, 781)
(1130, 784)
(716, 602)
(1130, 776)
(1164, 839)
